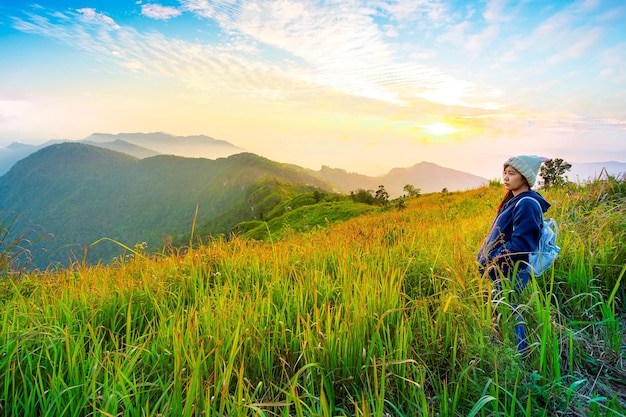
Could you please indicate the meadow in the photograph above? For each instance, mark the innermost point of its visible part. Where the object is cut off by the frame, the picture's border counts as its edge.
(383, 314)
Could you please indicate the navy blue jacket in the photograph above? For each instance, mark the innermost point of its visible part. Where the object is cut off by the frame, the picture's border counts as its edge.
(515, 233)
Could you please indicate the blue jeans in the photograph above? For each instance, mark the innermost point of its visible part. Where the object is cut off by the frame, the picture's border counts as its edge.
(520, 331)
(521, 279)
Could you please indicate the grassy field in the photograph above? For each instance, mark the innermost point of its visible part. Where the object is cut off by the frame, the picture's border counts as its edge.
(381, 315)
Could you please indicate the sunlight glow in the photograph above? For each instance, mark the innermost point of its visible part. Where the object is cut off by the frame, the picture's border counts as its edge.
(439, 129)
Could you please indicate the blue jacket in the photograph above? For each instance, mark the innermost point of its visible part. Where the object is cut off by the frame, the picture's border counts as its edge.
(515, 233)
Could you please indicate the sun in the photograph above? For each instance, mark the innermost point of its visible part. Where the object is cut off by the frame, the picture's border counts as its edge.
(440, 129)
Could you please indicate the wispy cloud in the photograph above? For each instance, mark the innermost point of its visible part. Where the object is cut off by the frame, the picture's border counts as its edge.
(156, 11)
(90, 15)
(564, 35)
(580, 42)
(407, 12)
(336, 47)
(342, 45)
(494, 12)
(200, 7)
(483, 39)
(10, 107)
(351, 54)
(204, 66)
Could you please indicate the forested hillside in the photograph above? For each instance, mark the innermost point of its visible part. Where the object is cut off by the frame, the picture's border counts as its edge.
(76, 194)
(70, 195)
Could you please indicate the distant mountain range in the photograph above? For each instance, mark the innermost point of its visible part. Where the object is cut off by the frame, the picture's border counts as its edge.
(129, 188)
(80, 192)
(426, 176)
(592, 170)
(198, 146)
(139, 145)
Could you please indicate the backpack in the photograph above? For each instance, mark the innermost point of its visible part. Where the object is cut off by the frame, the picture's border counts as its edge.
(547, 251)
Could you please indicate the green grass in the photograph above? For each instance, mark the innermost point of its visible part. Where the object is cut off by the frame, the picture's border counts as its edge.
(304, 219)
(383, 314)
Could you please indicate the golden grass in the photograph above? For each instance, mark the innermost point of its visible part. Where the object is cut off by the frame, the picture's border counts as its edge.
(384, 314)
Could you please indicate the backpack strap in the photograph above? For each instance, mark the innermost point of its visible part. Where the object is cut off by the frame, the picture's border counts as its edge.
(538, 205)
(531, 198)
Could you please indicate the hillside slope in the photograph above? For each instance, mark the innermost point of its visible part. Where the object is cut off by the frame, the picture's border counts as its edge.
(81, 193)
(383, 314)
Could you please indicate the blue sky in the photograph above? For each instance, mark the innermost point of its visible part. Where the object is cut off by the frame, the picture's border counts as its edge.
(360, 85)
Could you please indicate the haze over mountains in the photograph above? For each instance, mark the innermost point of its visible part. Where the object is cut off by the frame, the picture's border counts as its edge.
(130, 188)
(139, 145)
(198, 146)
(144, 145)
(82, 192)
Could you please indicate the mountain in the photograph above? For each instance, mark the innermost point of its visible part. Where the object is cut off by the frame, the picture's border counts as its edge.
(12, 153)
(198, 146)
(15, 151)
(426, 176)
(430, 177)
(118, 189)
(583, 171)
(80, 193)
(344, 181)
(139, 145)
(119, 145)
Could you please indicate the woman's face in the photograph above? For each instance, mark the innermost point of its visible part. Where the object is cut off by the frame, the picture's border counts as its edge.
(514, 181)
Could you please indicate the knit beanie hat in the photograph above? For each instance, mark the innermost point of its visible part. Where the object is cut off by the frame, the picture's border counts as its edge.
(527, 165)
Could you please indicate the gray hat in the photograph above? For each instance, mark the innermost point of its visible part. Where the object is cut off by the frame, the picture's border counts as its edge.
(527, 165)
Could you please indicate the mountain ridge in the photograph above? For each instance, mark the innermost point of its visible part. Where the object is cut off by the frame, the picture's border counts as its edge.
(141, 145)
(81, 193)
(144, 145)
(194, 146)
(122, 146)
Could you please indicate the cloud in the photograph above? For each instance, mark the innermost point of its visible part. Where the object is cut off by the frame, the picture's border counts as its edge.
(285, 48)
(304, 51)
(495, 11)
(581, 42)
(201, 8)
(456, 33)
(572, 31)
(407, 12)
(273, 47)
(156, 11)
(90, 15)
(342, 45)
(12, 109)
(198, 66)
(483, 39)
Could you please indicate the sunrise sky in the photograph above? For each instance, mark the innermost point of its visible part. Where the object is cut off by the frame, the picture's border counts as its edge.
(361, 85)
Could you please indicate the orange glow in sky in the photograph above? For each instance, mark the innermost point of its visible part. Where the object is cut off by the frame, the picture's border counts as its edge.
(344, 84)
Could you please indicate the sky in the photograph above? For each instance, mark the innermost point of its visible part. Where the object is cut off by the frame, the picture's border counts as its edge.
(362, 85)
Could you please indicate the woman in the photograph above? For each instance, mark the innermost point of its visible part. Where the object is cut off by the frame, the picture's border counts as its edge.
(515, 231)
